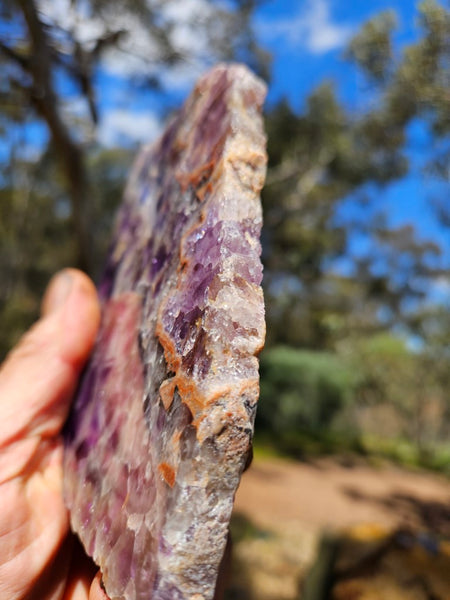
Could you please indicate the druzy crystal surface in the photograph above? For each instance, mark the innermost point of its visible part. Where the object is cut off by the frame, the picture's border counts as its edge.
(162, 423)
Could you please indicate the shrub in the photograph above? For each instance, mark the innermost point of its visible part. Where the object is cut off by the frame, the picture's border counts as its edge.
(301, 390)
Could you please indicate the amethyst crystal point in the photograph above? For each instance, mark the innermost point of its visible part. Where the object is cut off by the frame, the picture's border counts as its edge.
(161, 428)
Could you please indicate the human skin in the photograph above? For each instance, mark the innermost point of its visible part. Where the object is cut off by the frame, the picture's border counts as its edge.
(39, 558)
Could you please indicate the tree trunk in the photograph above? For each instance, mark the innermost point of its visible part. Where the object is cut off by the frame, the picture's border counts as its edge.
(69, 152)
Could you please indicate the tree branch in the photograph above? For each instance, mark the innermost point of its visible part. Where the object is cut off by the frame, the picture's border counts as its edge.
(22, 61)
(45, 100)
(82, 63)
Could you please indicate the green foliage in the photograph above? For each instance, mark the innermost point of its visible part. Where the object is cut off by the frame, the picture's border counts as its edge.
(411, 386)
(372, 46)
(327, 160)
(27, 247)
(37, 232)
(301, 390)
(56, 209)
(376, 397)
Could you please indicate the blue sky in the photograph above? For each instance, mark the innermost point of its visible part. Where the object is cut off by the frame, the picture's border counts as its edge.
(307, 39)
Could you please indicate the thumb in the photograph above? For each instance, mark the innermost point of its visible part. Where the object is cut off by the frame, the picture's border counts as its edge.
(39, 376)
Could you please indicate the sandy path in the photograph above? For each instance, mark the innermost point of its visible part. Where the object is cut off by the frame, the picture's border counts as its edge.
(291, 503)
(325, 493)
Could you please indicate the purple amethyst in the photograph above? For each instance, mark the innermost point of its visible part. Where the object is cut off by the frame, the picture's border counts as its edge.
(161, 427)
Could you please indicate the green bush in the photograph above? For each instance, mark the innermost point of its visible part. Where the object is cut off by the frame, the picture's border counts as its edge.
(301, 390)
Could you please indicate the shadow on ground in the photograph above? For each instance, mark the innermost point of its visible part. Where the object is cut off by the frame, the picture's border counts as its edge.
(369, 563)
(243, 532)
(429, 515)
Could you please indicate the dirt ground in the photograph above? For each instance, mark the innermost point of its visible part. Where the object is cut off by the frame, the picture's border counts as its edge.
(283, 507)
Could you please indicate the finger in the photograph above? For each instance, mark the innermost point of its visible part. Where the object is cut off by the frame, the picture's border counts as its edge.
(39, 376)
(73, 294)
(97, 591)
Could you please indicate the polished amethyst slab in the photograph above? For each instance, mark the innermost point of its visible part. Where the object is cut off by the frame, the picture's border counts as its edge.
(161, 427)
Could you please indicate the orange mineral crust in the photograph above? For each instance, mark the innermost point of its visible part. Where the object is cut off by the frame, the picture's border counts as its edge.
(162, 425)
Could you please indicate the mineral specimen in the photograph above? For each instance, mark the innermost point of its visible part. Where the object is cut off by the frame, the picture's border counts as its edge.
(162, 424)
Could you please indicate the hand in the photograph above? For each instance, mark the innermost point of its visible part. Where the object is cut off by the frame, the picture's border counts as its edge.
(39, 558)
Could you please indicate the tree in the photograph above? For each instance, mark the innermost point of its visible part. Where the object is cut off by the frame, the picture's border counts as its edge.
(302, 391)
(52, 52)
(411, 386)
(36, 236)
(58, 190)
(327, 169)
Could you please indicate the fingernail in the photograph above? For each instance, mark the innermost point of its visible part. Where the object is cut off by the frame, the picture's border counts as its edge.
(57, 292)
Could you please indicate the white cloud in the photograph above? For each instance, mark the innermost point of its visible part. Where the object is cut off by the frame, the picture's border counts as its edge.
(137, 53)
(311, 28)
(71, 17)
(188, 22)
(121, 125)
(441, 285)
(182, 77)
